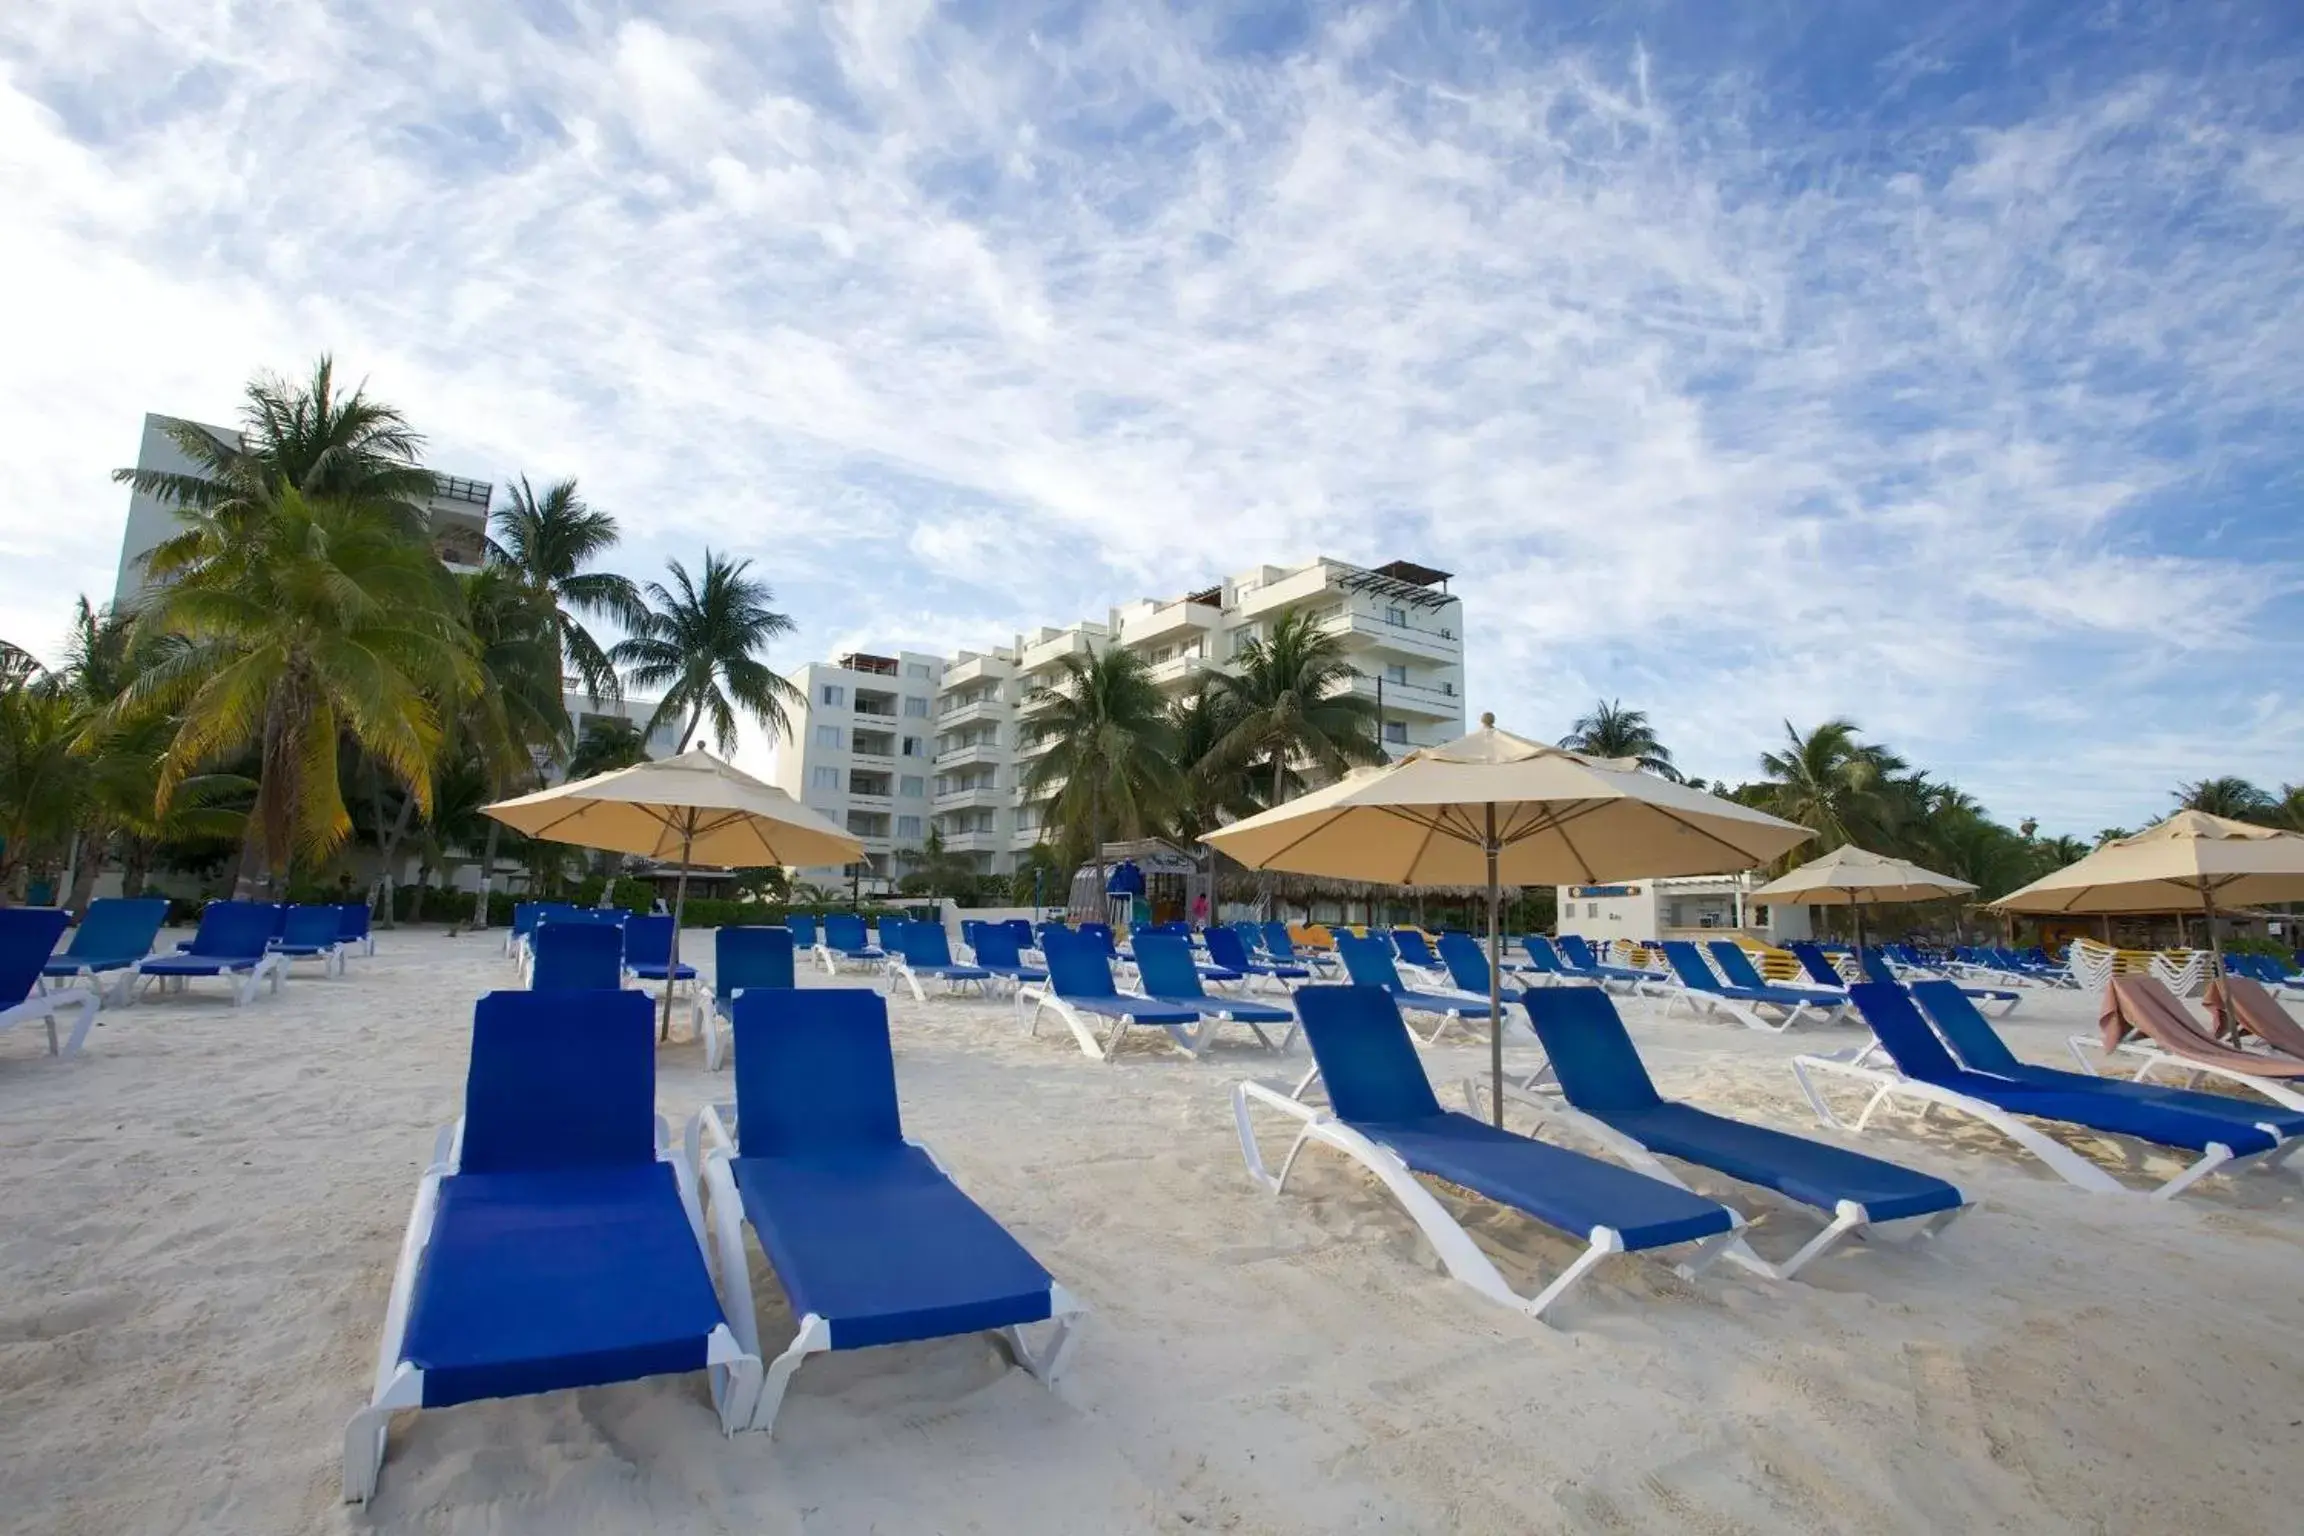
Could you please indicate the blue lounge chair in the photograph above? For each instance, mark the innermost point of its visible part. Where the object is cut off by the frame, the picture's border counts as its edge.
(557, 1240)
(28, 937)
(1102, 934)
(1210, 971)
(1382, 1115)
(234, 942)
(527, 916)
(312, 933)
(924, 953)
(576, 957)
(1584, 963)
(1700, 987)
(998, 952)
(845, 939)
(1926, 1075)
(1544, 962)
(1734, 963)
(114, 936)
(1165, 973)
(1079, 987)
(352, 930)
(648, 953)
(871, 1240)
(1228, 949)
(1410, 949)
(1282, 950)
(1369, 963)
(1615, 1101)
(1817, 966)
(1466, 963)
(803, 930)
(1980, 1049)
(1877, 969)
(741, 958)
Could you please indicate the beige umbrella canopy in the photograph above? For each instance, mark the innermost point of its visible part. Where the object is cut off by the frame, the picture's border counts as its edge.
(693, 808)
(1492, 808)
(1855, 877)
(2190, 861)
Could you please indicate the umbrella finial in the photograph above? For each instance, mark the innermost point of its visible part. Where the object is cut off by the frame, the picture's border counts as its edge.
(1487, 720)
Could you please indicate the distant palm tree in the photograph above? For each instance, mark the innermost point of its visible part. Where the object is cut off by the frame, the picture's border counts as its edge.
(1214, 789)
(518, 716)
(609, 742)
(547, 542)
(1112, 762)
(2056, 852)
(307, 622)
(936, 869)
(1611, 730)
(2111, 835)
(2231, 797)
(700, 641)
(1288, 699)
(1830, 782)
(2288, 812)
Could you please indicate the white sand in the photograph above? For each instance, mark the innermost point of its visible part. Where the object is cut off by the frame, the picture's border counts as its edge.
(202, 1211)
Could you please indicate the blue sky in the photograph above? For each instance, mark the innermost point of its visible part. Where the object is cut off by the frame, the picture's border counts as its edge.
(1936, 365)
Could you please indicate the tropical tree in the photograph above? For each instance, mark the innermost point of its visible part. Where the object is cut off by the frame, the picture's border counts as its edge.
(700, 642)
(547, 543)
(1829, 781)
(1611, 730)
(1215, 788)
(935, 870)
(517, 718)
(42, 787)
(1039, 870)
(609, 742)
(2287, 812)
(1289, 699)
(1111, 763)
(2231, 797)
(2056, 852)
(306, 622)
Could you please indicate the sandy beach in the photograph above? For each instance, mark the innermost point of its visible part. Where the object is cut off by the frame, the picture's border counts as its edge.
(203, 1209)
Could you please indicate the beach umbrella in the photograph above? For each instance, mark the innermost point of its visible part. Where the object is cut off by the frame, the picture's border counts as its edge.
(1855, 878)
(693, 808)
(2191, 862)
(1493, 809)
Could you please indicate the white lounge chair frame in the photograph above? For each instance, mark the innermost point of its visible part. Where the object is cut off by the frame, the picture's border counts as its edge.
(1850, 1220)
(1464, 1259)
(83, 1003)
(897, 968)
(331, 958)
(711, 1137)
(2148, 1056)
(245, 985)
(735, 1370)
(115, 988)
(1889, 1086)
(1187, 1038)
(1747, 1014)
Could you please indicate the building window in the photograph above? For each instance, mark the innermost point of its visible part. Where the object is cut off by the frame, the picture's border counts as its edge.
(908, 826)
(915, 746)
(1591, 909)
(828, 736)
(919, 669)
(1449, 689)
(916, 708)
(911, 786)
(1398, 617)
(1395, 672)
(1396, 732)
(835, 695)
(824, 778)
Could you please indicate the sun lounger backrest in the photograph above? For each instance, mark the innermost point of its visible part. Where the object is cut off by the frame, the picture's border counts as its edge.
(351, 920)
(1078, 966)
(1019, 929)
(28, 938)
(1101, 933)
(577, 957)
(1466, 961)
(1689, 966)
(524, 915)
(1579, 953)
(1367, 1062)
(928, 944)
(802, 929)
(1226, 949)
(1902, 1032)
(2240, 1005)
(1875, 966)
(996, 945)
(1368, 962)
(560, 1080)
(1410, 946)
(1974, 1040)
(648, 941)
(814, 1072)
(752, 957)
(1542, 955)
(1164, 965)
(1595, 1060)
(1735, 965)
(235, 929)
(312, 925)
(1813, 961)
(1277, 943)
(118, 927)
(844, 930)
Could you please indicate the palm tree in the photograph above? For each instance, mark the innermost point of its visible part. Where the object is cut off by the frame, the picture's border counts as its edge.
(318, 441)
(2056, 852)
(2287, 813)
(518, 717)
(1289, 699)
(936, 869)
(700, 642)
(1611, 730)
(1112, 762)
(42, 787)
(609, 742)
(1829, 782)
(1215, 789)
(307, 622)
(546, 542)
(2231, 797)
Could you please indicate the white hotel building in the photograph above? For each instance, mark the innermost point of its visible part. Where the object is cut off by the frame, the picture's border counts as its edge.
(892, 746)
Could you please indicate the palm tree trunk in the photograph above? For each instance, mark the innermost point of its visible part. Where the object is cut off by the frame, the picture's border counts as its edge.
(87, 863)
(1279, 774)
(387, 873)
(1096, 843)
(695, 717)
(487, 873)
(135, 866)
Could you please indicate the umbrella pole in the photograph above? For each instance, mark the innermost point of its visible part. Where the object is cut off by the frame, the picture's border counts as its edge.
(679, 901)
(2215, 944)
(1495, 981)
(1856, 910)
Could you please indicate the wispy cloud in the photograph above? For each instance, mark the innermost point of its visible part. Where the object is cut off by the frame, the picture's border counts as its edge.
(1942, 376)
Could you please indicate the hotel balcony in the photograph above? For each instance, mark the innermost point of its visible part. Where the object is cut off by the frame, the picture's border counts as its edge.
(982, 751)
(1176, 671)
(1179, 620)
(988, 711)
(1403, 699)
(1420, 637)
(980, 796)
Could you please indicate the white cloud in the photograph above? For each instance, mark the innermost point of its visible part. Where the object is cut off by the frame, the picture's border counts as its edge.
(960, 326)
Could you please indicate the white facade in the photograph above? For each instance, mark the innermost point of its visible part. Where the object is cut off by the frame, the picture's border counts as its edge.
(459, 510)
(861, 755)
(1695, 907)
(1400, 627)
